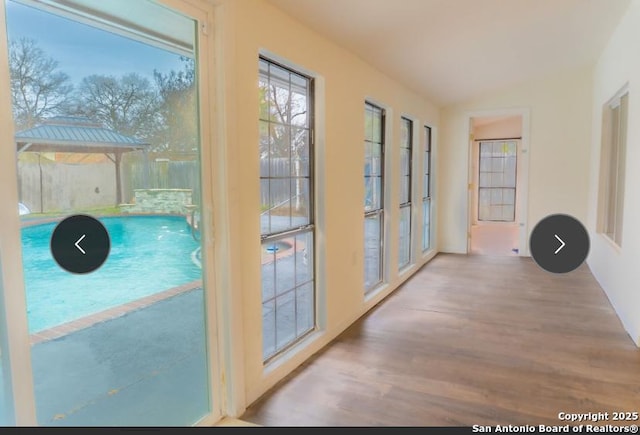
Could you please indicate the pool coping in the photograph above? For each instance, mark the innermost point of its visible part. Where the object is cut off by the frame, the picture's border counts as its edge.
(295, 247)
(84, 322)
(109, 313)
(51, 219)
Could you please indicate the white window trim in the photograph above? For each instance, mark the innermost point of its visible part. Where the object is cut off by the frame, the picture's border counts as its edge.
(386, 194)
(605, 190)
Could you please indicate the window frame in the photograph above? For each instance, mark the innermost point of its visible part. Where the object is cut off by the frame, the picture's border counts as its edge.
(503, 172)
(17, 348)
(408, 204)
(615, 121)
(295, 230)
(426, 193)
(380, 211)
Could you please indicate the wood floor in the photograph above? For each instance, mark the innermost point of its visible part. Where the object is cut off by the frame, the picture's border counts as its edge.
(468, 340)
(498, 239)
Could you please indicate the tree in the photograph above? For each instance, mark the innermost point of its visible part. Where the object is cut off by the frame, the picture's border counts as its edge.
(38, 89)
(285, 103)
(286, 106)
(128, 104)
(178, 109)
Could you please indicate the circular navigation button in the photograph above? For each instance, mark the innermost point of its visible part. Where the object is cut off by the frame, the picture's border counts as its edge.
(559, 243)
(80, 244)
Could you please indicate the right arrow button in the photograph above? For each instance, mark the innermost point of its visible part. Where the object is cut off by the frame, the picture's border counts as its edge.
(561, 246)
(555, 253)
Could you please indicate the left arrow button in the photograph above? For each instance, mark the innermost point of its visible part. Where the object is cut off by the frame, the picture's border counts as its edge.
(80, 244)
(77, 243)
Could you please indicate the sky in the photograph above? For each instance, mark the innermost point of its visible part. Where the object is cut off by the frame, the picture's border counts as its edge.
(82, 50)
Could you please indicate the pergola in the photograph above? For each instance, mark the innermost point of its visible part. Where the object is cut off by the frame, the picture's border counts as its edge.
(71, 134)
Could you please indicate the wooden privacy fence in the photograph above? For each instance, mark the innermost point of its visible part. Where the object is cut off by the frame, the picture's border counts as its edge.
(161, 174)
(58, 187)
(276, 187)
(48, 186)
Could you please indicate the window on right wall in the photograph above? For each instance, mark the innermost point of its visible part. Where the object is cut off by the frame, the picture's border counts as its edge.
(612, 170)
(426, 192)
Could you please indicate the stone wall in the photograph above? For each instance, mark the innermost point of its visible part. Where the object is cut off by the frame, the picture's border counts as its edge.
(163, 201)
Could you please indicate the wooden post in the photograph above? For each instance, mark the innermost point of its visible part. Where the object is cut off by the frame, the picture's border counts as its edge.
(118, 159)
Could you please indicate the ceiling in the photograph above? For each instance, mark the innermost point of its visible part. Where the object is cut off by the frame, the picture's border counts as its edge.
(454, 50)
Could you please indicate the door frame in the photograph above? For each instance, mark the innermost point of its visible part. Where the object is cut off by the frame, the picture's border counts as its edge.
(14, 342)
(16, 352)
(522, 180)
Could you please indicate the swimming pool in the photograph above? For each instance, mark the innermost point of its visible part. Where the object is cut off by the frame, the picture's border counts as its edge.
(148, 254)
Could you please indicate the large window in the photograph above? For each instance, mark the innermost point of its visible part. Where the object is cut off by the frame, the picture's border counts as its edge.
(374, 195)
(614, 151)
(426, 191)
(406, 145)
(6, 405)
(497, 181)
(287, 218)
(106, 109)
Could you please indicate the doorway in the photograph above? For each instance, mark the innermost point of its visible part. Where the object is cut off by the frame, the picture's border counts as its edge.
(498, 166)
(112, 297)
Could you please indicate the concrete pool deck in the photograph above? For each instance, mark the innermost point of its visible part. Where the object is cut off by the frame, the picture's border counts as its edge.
(147, 367)
(108, 314)
(143, 363)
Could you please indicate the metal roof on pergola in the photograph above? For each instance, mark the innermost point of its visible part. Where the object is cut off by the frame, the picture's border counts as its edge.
(74, 134)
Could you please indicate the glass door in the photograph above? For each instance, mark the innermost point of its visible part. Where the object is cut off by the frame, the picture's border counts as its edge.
(6, 405)
(107, 136)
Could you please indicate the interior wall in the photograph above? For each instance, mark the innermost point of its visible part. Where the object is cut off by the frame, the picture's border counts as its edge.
(501, 128)
(616, 269)
(560, 116)
(343, 84)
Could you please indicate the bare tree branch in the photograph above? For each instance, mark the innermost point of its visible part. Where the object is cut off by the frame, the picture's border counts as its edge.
(38, 90)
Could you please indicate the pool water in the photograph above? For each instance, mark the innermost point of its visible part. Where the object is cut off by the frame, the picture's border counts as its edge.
(148, 254)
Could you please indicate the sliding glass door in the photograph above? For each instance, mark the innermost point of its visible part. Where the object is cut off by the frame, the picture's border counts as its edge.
(106, 113)
(6, 405)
